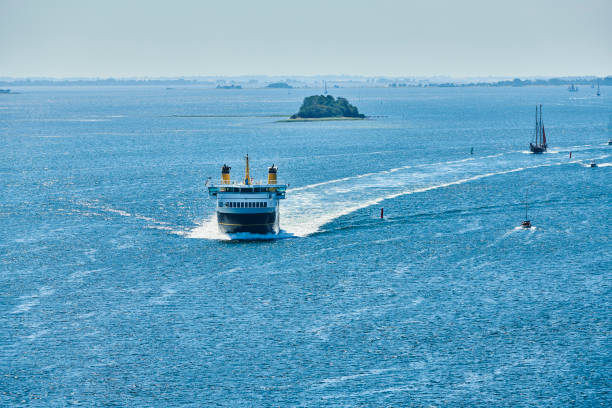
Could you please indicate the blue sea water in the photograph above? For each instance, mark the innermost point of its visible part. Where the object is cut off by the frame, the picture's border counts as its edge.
(117, 290)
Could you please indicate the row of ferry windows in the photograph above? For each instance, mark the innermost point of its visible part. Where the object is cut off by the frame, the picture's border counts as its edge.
(246, 189)
(236, 204)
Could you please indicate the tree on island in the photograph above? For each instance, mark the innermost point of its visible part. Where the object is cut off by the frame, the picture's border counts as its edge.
(279, 85)
(319, 106)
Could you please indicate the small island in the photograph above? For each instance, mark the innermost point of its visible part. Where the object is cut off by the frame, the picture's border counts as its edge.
(229, 86)
(320, 107)
(279, 85)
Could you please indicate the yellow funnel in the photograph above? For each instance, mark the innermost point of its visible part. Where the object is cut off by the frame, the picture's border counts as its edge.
(225, 174)
(272, 174)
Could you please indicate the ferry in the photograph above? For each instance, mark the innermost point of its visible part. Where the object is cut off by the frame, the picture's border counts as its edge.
(248, 206)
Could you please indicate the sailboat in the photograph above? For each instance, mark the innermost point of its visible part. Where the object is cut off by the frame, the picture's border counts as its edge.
(572, 88)
(325, 84)
(610, 130)
(539, 145)
(598, 93)
(526, 223)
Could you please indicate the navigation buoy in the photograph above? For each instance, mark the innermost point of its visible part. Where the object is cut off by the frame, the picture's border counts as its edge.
(382, 213)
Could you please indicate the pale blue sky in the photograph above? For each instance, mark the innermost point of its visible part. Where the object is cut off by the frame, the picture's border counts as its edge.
(123, 38)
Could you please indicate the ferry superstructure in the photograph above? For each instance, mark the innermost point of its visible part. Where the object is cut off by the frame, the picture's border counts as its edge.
(248, 206)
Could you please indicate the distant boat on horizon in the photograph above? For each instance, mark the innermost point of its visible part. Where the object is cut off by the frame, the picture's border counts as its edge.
(598, 93)
(539, 144)
(572, 88)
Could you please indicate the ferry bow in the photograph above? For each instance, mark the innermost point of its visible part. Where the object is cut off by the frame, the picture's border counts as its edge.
(248, 206)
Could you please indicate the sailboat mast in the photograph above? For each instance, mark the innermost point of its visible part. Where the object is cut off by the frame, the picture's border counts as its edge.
(536, 126)
(526, 205)
(541, 134)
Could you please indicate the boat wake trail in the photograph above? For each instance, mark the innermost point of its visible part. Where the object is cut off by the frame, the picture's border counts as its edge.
(337, 198)
(308, 208)
(327, 210)
(96, 208)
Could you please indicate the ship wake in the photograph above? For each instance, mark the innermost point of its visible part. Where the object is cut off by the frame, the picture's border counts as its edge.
(210, 230)
(309, 208)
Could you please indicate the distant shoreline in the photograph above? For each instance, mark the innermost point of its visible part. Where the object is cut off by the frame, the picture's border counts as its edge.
(311, 82)
(330, 118)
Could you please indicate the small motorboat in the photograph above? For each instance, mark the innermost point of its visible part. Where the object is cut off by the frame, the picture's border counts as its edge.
(526, 223)
(609, 142)
(593, 164)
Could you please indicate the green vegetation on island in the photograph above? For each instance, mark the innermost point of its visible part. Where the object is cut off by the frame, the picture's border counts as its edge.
(279, 85)
(229, 86)
(324, 107)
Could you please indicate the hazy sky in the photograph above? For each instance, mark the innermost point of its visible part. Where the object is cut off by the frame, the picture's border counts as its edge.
(123, 38)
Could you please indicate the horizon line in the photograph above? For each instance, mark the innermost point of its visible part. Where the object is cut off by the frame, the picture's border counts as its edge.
(289, 76)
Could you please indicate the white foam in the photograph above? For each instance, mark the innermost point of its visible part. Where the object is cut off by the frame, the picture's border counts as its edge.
(162, 225)
(25, 306)
(120, 212)
(310, 207)
(36, 335)
(210, 230)
(335, 380)
(81, 274)
(319, 215)
(293, 190)
(167, 292)
(86, 120)
(33, 300)
(391, 390)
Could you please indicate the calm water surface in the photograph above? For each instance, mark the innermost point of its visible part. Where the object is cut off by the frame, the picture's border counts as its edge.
(117, 290)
